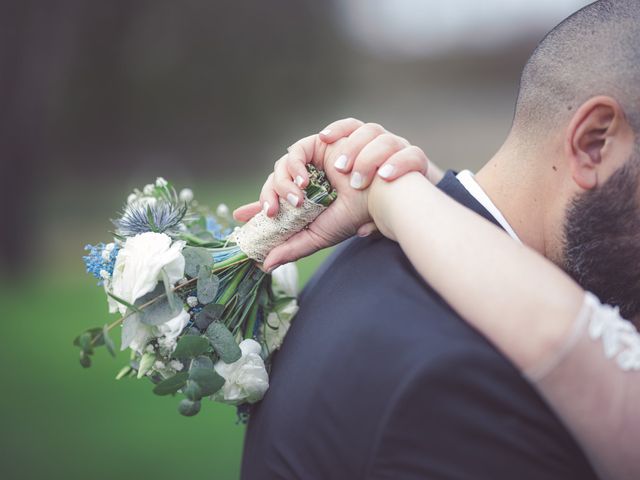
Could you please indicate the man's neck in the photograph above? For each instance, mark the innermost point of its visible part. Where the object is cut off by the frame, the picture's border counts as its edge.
(520, 195)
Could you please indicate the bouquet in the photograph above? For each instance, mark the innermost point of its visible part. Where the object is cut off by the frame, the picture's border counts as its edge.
(197, 313)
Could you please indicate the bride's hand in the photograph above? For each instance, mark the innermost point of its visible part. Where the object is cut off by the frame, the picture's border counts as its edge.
(345, 146)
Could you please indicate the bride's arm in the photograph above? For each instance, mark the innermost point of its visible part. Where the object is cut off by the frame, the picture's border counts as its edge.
(478, 269)
(581, 355)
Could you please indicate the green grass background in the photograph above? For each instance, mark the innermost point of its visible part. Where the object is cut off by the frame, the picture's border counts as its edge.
(60, 421)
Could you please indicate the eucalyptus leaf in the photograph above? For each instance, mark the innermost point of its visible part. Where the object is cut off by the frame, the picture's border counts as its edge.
(189, 408)
(193, 258)
(190, 346)
(157, 313)
(207, 379)
(193, 391)
(146, 298)
(146, 362)
(223, 342)
(207, 285)
(172, 384)
(95, 334)
(201, 362)
(210, 313)
(111, 348)
(85, 360)
(85, 342)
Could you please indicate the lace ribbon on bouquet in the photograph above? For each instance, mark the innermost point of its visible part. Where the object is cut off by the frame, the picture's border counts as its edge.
(262, 233)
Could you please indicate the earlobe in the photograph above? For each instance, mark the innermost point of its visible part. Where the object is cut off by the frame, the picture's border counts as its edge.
(590, 133)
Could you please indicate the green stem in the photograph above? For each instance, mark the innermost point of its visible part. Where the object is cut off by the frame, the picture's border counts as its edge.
(230, 290)
(237, 258)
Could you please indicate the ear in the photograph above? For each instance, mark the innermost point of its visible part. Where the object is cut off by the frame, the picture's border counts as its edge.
(599, 140)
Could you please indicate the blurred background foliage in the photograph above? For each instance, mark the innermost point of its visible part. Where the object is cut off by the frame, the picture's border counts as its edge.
(97, 98)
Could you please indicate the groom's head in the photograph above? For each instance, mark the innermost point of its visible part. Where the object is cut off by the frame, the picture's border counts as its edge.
(578, 110)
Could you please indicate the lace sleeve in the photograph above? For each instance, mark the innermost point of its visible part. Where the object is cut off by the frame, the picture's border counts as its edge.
(593, 383)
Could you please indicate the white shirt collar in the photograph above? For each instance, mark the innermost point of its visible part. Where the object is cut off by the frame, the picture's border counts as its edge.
(466, 178)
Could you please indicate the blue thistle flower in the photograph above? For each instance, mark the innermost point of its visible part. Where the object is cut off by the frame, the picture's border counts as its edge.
(160, 217)
(101, 260)
(216, 229)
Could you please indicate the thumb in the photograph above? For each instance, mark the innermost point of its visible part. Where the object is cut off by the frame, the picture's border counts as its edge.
(302, 244)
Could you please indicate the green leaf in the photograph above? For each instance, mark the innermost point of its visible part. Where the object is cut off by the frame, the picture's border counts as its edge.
(207, 379)
(130, 306)
(190, 346)
(172, 384)
(85, 360)
(223, 342)
(146, 362)
(189, 408)
(157, 313)
(172, 298)
(201, 362)
(210, 313)
(96, 337)
(85, 342)
(207, 285)
(192, 391)
(111, 348)
(193, 258)
(124, 371)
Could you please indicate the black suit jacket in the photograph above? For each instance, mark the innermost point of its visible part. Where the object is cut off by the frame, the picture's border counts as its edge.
(380, 378)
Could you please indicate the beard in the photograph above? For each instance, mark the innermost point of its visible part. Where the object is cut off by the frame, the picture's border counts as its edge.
(602, 239)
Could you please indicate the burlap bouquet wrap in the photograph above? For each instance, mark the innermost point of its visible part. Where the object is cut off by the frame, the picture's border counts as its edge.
(262, 234)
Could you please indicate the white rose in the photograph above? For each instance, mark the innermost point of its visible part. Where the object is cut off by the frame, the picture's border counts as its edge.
(139, 264)
(245, 380)
(277, 325)
(286, 278)
(173, 328)
(136, 335)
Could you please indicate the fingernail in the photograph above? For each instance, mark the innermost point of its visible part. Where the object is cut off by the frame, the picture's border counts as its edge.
(365, 234)
(292, 199)
(265, 208)
(325, 132)
(271, 269)
(341, 162)
(356, 180)
(299, 181)
(386, 171)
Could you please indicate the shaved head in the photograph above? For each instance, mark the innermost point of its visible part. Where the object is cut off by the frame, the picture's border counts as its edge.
(595, 51)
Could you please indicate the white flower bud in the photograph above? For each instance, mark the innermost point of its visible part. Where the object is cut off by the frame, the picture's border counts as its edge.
(132, 198)
(104, 274)
(192, 301)
(148, 189)
(176, 365)
(158, 365)
(222, 210)
(161, 182)
(186, 195)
